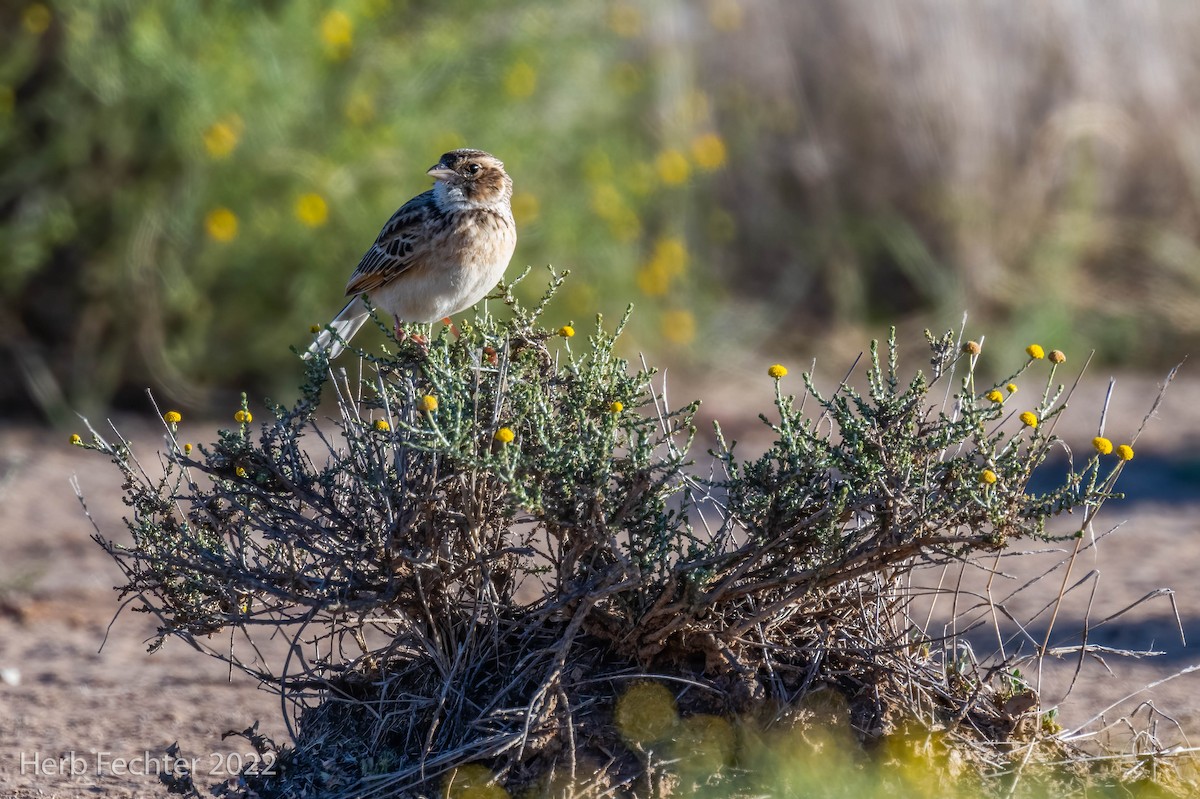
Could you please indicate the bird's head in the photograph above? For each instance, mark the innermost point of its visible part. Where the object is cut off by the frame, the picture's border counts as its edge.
(472, 177)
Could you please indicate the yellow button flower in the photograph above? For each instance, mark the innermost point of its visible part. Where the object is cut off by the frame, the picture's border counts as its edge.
(36, 18)
(1102, 445)
(1125, 452)
(312, 210)
(187, 449)
(382, 426)
(240, 472)
(172, 417)
(672, 167)
(221, 224)
(1035, 351)
(777, 371)
(337, 34)
(708, 151)
(520, 80)
(505, 435)
(1029, 419)
(76, 440)
(428, 403)
(243, 417)
(616, 406)
(994, 396)
(987, 476)
(566, 331)
(1011, 388)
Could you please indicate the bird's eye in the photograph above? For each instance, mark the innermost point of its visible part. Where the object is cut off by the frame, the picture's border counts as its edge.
(473, 169)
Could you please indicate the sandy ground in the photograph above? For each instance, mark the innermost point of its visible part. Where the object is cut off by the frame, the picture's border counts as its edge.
(78, 719)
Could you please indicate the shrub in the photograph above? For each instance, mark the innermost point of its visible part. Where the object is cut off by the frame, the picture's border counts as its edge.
(481, 558)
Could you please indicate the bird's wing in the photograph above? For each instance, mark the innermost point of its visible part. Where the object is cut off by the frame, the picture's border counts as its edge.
(403, 242)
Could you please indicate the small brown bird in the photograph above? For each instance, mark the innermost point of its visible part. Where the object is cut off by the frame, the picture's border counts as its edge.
(439, 254)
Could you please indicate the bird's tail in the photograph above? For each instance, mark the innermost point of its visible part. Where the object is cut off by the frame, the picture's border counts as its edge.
(335, 335)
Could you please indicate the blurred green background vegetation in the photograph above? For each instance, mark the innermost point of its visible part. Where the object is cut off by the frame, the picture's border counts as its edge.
(185, 187)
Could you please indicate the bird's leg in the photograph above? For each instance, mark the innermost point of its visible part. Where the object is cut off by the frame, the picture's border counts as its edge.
(448, 322)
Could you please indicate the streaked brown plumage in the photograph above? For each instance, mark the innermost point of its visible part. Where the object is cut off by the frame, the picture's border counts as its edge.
(439, 254)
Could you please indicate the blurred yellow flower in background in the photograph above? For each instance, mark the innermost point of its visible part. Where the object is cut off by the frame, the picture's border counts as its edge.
(725, 15)
(448, 140)
(624, 19)
(360, 108)
(36, 18)
(337, 34)
(520, 80)
(708, 151)
(525, 207)
(597, 166)
(678, 326)
(221, 138)
(668, 262)
(221, 224)
(672, 167)
(312, 210)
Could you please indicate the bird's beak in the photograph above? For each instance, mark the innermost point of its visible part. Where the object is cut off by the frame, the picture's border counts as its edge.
(439, 172)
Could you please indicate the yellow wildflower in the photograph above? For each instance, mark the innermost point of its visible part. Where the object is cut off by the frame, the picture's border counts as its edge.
(678, 326)
(1125, 452)
(1011, 388)
(520, 80)
(505, 435)
(994, 396)
(428, 403)
(624, 19)
(566, 331)
(172, 417)
(1035, 351)
(337, 33)
(76, 440)
(645, 713)
(472, 781)
(616, 406)
(1057, 356)
(221, 225)
(240, 472)
(312, 210)
(243, 417)
(672, 167)
(777, 371)
(708, 151)
(987, 476)
(360, 108)
(314, 328)
(221, 137)
(187, 449)
(1029, 419)
(1102, 445)
(525, 207)
(972, 348)
(725, 15)
(36, 18)
(382, 426)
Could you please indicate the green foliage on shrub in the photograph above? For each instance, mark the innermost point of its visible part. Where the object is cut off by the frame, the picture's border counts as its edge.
(498, 530)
